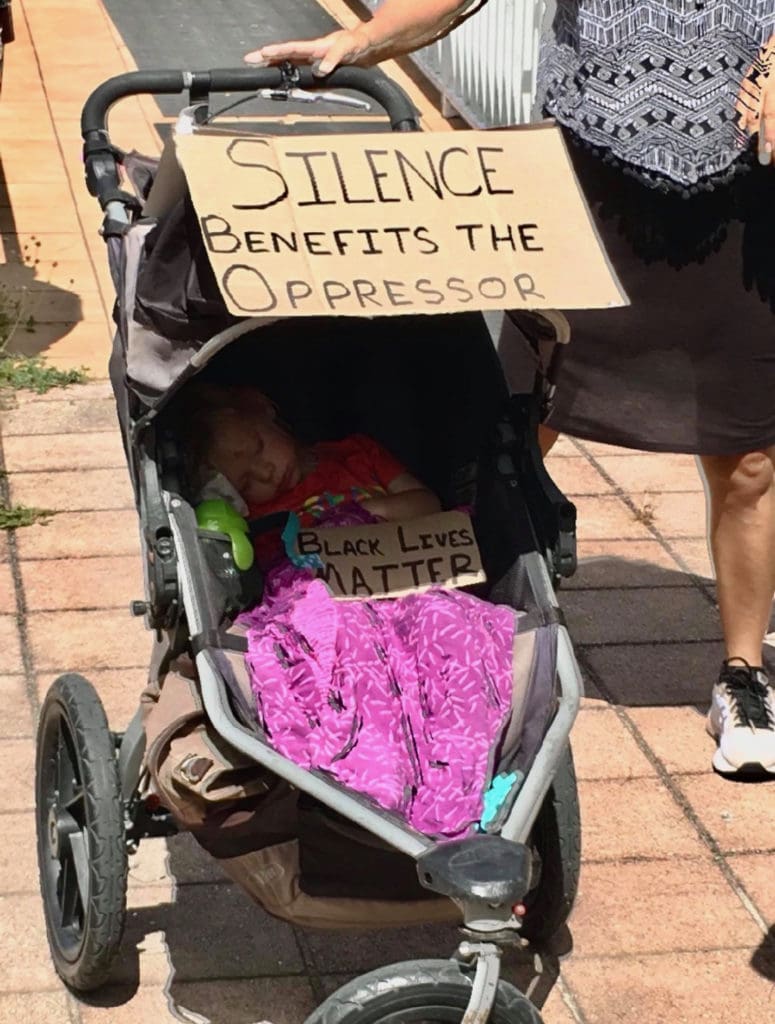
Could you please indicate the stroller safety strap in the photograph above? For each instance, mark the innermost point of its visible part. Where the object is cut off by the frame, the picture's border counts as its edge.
(218, 640)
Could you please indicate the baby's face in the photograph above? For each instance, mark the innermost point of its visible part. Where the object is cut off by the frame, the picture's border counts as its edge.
(257, 457)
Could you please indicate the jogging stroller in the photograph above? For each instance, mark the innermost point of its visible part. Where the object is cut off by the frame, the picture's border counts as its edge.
(302, 845)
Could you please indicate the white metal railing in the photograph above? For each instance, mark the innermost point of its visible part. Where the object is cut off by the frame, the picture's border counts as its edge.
(486, 69)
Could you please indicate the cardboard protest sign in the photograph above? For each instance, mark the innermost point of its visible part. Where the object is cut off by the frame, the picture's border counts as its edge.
(396, 223)
(390, 559)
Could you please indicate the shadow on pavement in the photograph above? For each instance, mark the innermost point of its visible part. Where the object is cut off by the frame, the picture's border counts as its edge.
(34, 314)
(646, 636)
(763, 959)
(222, 959)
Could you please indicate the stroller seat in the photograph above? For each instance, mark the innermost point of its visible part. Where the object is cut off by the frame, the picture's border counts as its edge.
(432, 391)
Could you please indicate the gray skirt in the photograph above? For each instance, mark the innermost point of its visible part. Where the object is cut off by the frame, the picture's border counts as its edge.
(689, 366)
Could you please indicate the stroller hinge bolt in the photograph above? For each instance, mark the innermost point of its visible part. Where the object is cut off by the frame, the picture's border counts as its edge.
(138, 607)
(468, 950)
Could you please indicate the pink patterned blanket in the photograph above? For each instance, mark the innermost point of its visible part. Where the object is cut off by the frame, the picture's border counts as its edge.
(403, 699)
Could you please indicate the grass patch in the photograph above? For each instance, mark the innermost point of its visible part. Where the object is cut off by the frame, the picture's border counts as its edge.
(14, 516)
(27, 373)
(32, 373)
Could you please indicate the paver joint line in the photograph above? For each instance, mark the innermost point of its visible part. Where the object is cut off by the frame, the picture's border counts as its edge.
(73, 1009)
(21, 608)
(593, 645)
(602, 588)
(570, 1000)
(52, 470)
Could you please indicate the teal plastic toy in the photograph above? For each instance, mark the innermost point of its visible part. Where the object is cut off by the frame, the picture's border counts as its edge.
(219, 516)
(290, 538)
(497, 794)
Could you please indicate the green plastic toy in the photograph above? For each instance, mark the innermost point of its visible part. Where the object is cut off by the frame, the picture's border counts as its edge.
(219, 516)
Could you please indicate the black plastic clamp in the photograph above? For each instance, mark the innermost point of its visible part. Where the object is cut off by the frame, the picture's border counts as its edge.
(290, 75)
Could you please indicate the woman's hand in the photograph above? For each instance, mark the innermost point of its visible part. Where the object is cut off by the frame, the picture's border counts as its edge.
(346, 46)
(756, 102)
(398, 27)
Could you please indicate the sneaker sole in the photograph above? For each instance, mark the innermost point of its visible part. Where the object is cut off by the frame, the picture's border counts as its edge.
(749, 769)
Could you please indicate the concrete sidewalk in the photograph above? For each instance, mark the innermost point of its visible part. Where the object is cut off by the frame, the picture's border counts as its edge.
(674, 922)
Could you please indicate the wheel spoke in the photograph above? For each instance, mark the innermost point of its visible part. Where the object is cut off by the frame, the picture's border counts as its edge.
(80, 859)
(65, 768)
(68, 892)
(75, 805)
(58, 880)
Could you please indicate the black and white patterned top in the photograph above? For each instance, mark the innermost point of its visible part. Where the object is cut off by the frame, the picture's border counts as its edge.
(654, 82)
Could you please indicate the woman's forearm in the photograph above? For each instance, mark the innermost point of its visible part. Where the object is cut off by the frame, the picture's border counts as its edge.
(400, 26)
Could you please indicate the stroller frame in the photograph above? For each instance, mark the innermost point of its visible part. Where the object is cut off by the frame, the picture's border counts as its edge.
(487, 888)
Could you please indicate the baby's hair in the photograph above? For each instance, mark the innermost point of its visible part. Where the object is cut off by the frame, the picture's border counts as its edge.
(194, 418)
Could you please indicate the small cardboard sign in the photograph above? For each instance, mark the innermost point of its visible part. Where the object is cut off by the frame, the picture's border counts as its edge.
(398, 223)
(391, 559)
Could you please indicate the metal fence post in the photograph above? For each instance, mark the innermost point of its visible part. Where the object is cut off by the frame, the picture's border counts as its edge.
(486, 69)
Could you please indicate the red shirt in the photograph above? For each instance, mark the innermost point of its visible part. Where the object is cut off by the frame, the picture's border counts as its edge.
(348, 470)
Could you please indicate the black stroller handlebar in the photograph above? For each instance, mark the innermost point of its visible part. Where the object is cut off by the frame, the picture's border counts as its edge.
(100, 156)
(372, 83)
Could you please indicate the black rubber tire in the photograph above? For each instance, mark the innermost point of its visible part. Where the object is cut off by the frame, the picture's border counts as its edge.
(556, 836)
(418, 992)
(77, 793)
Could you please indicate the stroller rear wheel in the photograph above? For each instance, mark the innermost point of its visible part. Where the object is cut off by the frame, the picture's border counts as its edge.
(418, 992)
(557, 840)
(82, 853)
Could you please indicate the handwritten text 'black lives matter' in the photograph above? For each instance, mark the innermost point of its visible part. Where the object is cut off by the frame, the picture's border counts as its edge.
(385, 559)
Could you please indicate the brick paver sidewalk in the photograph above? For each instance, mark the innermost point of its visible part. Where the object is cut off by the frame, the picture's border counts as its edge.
(677, 892)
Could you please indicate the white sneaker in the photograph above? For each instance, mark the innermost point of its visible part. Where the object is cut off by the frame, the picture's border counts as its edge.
(742, 720)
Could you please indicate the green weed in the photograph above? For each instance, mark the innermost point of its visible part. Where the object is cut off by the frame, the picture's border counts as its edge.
(32, 373)
(14, 516)
(28, 373)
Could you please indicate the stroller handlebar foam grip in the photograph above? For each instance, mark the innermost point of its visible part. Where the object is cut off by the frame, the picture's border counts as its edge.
(372, 83)
(218, 515)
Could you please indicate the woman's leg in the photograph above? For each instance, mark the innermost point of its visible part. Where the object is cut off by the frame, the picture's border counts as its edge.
(741, 498)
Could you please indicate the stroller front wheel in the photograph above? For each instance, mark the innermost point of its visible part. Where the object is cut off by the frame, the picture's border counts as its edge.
(418, 992)
(82, 854)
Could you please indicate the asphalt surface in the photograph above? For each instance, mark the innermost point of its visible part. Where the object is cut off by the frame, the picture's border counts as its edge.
(197, 35)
